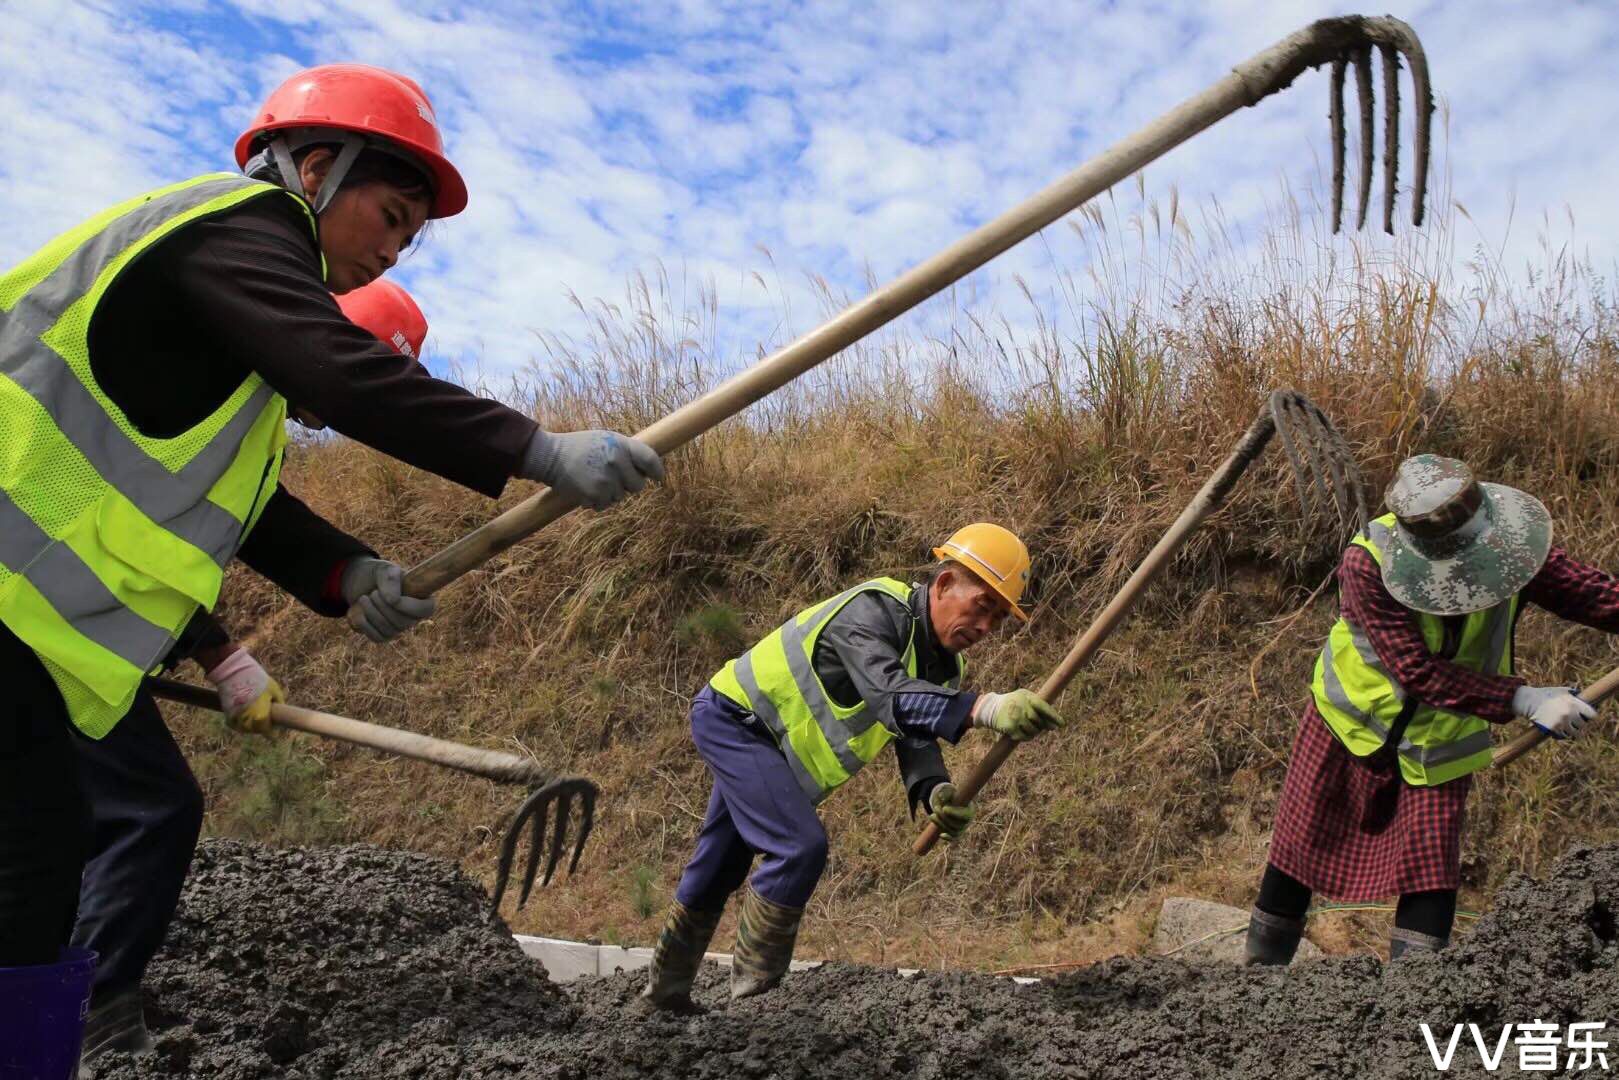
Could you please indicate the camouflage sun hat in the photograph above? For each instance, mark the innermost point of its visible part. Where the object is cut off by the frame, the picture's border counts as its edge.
(1458, 545)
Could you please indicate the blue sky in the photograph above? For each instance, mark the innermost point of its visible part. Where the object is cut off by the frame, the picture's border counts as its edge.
(843, 139)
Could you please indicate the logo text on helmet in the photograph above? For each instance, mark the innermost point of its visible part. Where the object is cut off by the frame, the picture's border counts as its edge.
(402, 343)
(426, 113)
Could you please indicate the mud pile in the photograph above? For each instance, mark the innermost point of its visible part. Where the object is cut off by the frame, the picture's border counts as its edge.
(361, 963)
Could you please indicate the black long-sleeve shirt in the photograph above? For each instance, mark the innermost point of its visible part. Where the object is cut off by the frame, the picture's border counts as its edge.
(243, 292)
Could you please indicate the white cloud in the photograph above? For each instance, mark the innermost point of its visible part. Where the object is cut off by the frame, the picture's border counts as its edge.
(839, 136)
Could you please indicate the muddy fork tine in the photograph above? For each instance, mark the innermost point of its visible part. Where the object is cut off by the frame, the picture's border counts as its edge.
(540, 811)
(1325, 441)
(558, 834)
(587, 822)
(1278, 411)
(1362, 57)
(1335, 117)
(1304, 437)
(1417, 61)
(1391, 131)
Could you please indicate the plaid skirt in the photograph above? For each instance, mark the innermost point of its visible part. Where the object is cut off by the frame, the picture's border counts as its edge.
(1351, 828)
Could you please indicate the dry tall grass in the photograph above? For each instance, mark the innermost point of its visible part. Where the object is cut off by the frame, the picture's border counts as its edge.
(1086, 428)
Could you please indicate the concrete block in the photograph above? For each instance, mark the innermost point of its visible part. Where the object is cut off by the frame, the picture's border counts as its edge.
(1197, 930)
(610, 959)
(564, 961)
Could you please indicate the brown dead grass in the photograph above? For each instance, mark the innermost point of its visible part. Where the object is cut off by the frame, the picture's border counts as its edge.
(1086, 431)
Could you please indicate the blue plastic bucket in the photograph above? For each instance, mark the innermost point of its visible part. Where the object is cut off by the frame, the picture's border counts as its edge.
(42, 1011)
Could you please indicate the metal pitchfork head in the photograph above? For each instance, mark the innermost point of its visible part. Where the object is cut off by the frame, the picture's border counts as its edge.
(1323, 467)
(535, 808)
(1349, 41)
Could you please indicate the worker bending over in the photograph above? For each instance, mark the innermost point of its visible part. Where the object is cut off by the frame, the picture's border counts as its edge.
(792, 719)
(1417, 667)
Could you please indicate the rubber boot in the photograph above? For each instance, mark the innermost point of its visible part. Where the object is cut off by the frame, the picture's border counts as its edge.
(1272, 939)
(1403, 942)
(679, 952)
(116, 1023)
(765, 935)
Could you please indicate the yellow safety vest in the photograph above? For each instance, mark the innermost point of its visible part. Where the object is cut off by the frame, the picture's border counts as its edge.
(1363, 704)
(824, 742)
(110, 539)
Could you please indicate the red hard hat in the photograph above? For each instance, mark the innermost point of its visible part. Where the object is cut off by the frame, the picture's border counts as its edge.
(369, 100)
(388, 312)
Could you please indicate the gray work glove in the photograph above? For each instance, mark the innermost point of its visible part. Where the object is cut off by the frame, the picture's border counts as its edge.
(1556, 710)
(378, 606)
(594, 468)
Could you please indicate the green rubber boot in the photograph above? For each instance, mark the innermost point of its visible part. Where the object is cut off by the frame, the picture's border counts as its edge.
(765, 935)
(680, 949)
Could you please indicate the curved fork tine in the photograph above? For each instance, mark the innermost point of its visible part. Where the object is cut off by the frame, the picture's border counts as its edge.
(587, 821)
(1335, 116)
(1279, 411)
(1362, 57)
(1329, 449)
(1391, 131)
(1304, 435)
(1417, 60)
(541, 810)
(554, 856)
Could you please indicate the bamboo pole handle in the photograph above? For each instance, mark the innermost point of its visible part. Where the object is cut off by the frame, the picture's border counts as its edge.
(491, 764)
(1594, 694)
(1204, 503)
(1247, 84)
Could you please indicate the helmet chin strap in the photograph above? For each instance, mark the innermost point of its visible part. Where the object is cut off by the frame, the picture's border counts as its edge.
(281, 151)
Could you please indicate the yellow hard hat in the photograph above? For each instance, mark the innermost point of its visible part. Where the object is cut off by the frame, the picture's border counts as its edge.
(995, 555)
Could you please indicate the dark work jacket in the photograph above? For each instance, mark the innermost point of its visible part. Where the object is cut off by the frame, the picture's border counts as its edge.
(243, 292)
(859, 656)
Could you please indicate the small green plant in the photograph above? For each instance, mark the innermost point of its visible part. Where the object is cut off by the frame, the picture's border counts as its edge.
(275, 793)
(717, 624)
(644, 890)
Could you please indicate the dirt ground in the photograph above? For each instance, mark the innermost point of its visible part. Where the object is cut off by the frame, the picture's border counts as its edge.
(360, 962)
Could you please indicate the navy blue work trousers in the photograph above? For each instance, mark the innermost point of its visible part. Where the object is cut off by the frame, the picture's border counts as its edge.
(756, 809)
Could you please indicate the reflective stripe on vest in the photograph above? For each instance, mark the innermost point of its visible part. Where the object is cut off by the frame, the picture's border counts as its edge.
(825, 743)
(1436, 745)
(110, 539)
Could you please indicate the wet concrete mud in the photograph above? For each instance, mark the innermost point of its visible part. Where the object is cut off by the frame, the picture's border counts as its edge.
(354, 962)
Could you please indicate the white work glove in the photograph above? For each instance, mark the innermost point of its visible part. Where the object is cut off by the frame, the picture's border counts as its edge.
(378, 606)
(1556, 710)
(246, 692)
(593, 468)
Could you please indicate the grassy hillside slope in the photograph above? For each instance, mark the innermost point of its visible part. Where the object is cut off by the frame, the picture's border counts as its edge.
(1085, 425)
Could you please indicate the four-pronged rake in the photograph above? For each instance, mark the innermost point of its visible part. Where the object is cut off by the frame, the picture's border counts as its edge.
(505, 768)
(1323, 466)
(1392, 39)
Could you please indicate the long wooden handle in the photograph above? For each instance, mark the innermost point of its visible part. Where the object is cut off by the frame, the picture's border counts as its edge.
(1204, 503)
(1517, 748)
(491, 764)
(1247, 84)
